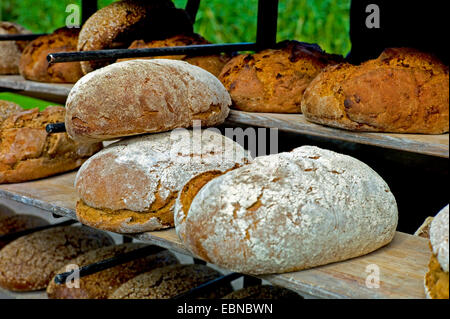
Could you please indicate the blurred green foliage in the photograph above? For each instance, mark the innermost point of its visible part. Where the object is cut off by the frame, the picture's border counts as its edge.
(325, 22)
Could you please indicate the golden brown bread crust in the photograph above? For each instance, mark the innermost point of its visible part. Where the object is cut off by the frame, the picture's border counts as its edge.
(211, 63)
(169, 281)
(436, 280)
(122, 22)
(263, 292)
(16, 223)
(30, 262)
(33, 62)
(8, 108)
(103, 283)
(10, 51)
(402, 91)
(274, 80)
(28, 152)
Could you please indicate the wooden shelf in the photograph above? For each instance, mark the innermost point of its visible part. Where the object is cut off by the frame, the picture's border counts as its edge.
(17, 82)
(402, 263)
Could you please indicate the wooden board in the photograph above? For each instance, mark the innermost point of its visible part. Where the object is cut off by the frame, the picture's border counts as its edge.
(402, 264)
(435, 145)
(17, 82)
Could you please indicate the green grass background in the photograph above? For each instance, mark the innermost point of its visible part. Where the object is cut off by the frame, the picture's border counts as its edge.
(325, 22)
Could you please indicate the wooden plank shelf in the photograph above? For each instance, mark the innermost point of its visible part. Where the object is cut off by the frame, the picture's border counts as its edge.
(17, 82)
(402, 264)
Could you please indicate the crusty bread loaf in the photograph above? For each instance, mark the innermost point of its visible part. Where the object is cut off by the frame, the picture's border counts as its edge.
(28, 152)
(291, 211)
(131, 185)
(403, 91)
(121, 22)
(144, 96)
(424, 229)
(30, 262)
(101, 284)
(34, 65)
(211, 63)
(17, 223)
(8, 108)
(437, 278)
(10, 51)
(6, 211)
(170, 281)
(274, 80)
(263, 292)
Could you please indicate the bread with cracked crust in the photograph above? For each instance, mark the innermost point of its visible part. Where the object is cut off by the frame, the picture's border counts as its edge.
(10, 51)
(290, 211)
(144, 96)
(131, 186)
(402, 91)
(8, 108)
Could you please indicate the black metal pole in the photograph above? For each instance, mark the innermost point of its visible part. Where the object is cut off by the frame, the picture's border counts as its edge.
(20, 37)
(192, 8)
(88, 8)
(266, 34)
(55, 127)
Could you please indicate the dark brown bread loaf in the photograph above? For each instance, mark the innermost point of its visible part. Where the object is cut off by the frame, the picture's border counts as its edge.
(16, 223)
(103, 283)
(167, 282)
(34, 65)
(10, 51)
(28, 152)
(274, 80)
(402, 91)
(211, 63)
(30, 262)
(263, 292)
(8, 108)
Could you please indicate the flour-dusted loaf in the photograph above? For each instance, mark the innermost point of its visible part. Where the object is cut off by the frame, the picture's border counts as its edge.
(131, 185)
(144, 96)
(402, 91)
(101, 284)
(10, 51)
(30, 262)
(291, 211)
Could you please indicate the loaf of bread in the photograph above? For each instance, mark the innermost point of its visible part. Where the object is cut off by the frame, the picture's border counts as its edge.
(28, 152)
(17, 223)
(437, 279)
(144, 96)
(6, 211)
(424, 229)
(263, 292)
(101, 284)
(290, 211)
(8, 108)
(33, 62)
(131, 186)
(30, 262)
(211, 63)
(170, 281)
(122, 22)
(274, 80)
(403, 91)
(10, 51)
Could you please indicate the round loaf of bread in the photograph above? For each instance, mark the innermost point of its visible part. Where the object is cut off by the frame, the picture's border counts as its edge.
(101, 284)
(28, 152)
(291, 211)
(30, 262)
(17, 223)
(8, 108)
(170, 281)
(274, 80)
(403, 91)
(437, 277)
(211, 63)
(263, 292)
(34, 65)
(10, 51)
(144, 96)
(131, 186)
(122, 22)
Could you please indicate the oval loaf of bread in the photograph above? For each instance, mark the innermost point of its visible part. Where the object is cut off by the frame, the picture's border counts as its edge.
(291, 211)
(131, 185)
(144, 96)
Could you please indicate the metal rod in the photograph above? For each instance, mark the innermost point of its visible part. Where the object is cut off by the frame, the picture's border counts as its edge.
(110, 262)
(126, 239)
(199, 261)
(20, 37)
(192, 8)
(88, 8)
(208, 285)
(55, 127)
(266, 34)
(13, 236)
(204, 49)
(251, 281)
